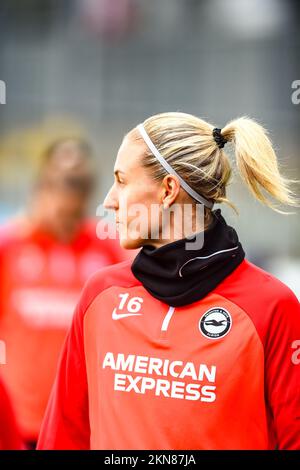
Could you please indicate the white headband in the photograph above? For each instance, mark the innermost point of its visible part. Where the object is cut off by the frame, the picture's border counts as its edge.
(171, 170)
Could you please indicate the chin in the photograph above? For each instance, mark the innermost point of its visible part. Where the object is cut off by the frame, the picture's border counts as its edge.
(130, 244)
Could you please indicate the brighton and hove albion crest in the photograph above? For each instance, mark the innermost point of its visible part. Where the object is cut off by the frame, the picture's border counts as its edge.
(215, 323)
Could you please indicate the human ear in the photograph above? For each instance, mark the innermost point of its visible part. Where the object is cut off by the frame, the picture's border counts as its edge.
(171, 189)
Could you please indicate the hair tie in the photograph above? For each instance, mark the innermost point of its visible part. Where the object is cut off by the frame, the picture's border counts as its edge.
(219, 139)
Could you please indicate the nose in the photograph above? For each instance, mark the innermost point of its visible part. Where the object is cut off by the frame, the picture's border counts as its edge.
(111, 200)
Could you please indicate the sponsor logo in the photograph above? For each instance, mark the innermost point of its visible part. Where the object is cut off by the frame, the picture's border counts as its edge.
(45, 307)
(215, 323)
(118, 316)
(162, 377)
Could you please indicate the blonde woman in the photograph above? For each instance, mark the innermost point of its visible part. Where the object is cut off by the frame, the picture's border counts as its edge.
(188, 346)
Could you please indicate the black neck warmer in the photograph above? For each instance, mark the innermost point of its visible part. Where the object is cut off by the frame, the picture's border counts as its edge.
(178, 276)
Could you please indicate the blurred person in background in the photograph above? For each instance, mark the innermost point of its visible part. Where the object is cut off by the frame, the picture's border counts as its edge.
(46, 255)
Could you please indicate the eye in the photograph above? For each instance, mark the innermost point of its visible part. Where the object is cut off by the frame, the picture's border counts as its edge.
(118, 179)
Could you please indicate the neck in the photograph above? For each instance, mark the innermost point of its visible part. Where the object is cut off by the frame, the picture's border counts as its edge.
(179, 275)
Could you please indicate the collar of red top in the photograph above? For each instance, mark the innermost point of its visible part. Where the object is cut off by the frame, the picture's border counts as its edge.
(178, 276)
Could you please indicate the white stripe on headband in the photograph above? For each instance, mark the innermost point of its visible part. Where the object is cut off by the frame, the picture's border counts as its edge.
(171, 170)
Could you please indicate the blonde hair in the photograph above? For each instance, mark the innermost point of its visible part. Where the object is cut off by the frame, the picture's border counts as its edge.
(187, 144)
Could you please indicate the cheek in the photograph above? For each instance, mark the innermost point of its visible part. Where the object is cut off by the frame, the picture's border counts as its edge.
(133, 196)
(138, 202)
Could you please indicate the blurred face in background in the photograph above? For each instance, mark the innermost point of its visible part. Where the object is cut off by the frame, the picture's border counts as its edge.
(64, 211)
(63, 191)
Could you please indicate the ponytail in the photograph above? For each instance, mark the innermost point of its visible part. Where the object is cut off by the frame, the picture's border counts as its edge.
(257, 163)
(194, 148)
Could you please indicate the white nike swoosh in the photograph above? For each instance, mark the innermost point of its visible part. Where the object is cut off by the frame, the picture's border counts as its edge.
(118, 316)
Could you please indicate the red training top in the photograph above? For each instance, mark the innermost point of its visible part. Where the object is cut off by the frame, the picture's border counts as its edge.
(220, 373)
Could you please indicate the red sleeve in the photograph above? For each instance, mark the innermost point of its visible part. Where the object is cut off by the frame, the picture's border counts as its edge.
(10, 438)
(282, 366)
(66, 422)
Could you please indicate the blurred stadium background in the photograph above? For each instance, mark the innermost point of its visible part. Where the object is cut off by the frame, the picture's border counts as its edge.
(95, 68)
